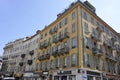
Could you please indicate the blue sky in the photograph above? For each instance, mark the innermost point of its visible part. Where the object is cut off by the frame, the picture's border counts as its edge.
(20, 18)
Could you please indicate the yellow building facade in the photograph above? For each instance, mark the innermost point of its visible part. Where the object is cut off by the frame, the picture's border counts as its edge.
(78, 45)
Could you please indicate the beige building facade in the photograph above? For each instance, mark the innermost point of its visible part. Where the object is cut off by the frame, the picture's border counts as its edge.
(79, 45)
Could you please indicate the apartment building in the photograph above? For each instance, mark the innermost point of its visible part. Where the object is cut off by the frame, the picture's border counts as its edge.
(28, 56)
(78, 45)
(20, 56)
(11, 55)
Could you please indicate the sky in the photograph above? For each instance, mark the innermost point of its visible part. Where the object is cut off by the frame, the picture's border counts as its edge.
(21, 18)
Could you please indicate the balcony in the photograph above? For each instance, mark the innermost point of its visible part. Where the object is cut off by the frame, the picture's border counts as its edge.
(66, 50)
(41, 46)
(55, 53)
(86, 46)
(108, 55)
(100, 52)
(29, 62)
(55, 40)
(47, 56)
(44, 57)
(113, 39)
(99, 28)
(94, 50)
(113, 58)
(66, 35)
(51, 31)
(31, 52)
(22, 55)
(87, 32)
(21, 64)
(107, 43)
(45, 45)
(60, 38)
(94, 37)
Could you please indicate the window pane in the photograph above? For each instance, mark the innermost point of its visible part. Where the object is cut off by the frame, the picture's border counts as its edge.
(73, 27)
(74, 42)
(73, 15)
(74, 59)
(85, 15)
(92, 20)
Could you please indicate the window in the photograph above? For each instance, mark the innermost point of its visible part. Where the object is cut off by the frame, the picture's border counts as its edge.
(48, 65)
(41, 36)
(99, 35)
(74, 59)
(66, 20)
(59, 34)
(46, 34)
(66, 30)
(92, 20)
(74, 42)
(86, 29)
(57, 63)
(93, 31)
(67, 61)
(85, 15)
(86, 59)
(54, 63)
(73, 27)
(87, 43)
(73, 15)
(60, 24)
(96, 62)
(61, 62)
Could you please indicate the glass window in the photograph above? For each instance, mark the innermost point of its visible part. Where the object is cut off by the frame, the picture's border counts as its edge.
(87, 43)
(86, 59)
(99, 35)
(85, 15)
(93, 32)
(73, 15)
(73, 27)
(86, 29)
(67, 61)
(48, 65)
(74, 59)
(74, 42)
(40, 66)
(92, 20)
(59, 34)
(66, 30)
(57, 62)
(61, 62)
(54, 63)
(103, 65)
(60, 24)
(66, 20)
(95, 61)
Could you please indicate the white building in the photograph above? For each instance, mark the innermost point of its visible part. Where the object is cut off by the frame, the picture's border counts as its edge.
(0, 62)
